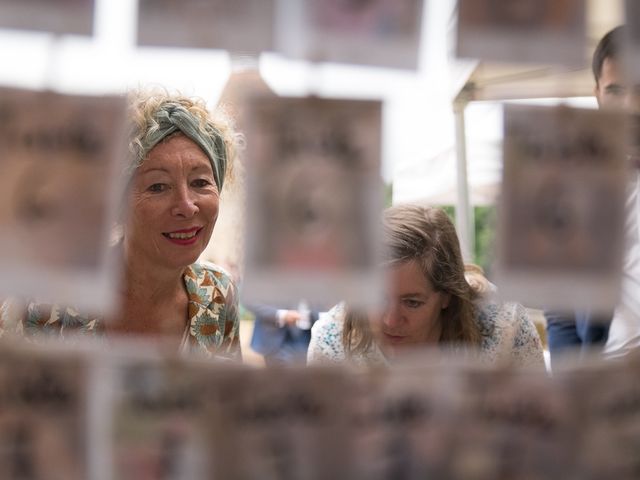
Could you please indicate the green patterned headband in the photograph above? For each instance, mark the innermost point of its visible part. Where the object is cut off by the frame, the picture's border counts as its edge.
(173, 117)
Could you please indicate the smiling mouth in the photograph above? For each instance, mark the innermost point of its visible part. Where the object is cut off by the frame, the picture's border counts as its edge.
(183, 236)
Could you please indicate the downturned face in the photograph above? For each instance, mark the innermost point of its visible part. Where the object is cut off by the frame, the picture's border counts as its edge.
(173, 204)
(413, 312)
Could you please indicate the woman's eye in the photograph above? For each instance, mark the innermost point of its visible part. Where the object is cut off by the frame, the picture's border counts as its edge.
(413, 303)
(201, 183)
(157, 188)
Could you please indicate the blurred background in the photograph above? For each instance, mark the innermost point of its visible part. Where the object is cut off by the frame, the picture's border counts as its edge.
(420, 144)
(442, 123)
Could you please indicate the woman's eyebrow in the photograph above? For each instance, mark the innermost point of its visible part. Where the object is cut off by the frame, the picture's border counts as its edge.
(202, 167)
(154, 169)
(416, 294)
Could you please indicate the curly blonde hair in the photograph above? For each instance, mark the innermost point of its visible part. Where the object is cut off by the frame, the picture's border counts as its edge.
(145, 107)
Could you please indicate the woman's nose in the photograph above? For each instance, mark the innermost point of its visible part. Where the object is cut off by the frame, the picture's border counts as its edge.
(392, 316)
(184, 204)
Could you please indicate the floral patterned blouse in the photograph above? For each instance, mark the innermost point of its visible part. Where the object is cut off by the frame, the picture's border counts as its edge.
(507, 334)
(212, 328)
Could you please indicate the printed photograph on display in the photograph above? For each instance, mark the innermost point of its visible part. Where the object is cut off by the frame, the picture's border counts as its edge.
(520, 423)
(383, 33)
(632, 20)
(611, 426)
(314, 200)
(43, 417)
(522, 31)
(562, 207)
(240, 26)
(294, 421)
(76, 414)
(58, 189)
(159, 414)
(59, 16)
(401, 422)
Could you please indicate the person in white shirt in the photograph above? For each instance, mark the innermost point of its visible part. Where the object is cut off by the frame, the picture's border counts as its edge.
(618, 333)
(615, 90)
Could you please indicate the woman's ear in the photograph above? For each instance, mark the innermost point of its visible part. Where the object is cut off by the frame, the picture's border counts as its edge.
(446, 298)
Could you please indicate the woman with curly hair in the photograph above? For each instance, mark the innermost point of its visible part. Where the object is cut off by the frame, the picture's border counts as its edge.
(432, 299)
(181, 155)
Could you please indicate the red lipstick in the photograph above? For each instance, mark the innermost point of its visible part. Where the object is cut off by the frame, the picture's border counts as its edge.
(186, 236)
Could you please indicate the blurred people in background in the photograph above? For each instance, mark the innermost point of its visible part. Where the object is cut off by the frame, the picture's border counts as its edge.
(619, 332)
(282, 336)
(181, 156)
(429, 302)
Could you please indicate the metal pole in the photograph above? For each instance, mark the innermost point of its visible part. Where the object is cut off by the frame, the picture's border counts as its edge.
(464, 211)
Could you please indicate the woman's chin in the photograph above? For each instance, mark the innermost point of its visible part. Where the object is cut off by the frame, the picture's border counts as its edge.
(394, 340)
(391, 348)
(181, 261)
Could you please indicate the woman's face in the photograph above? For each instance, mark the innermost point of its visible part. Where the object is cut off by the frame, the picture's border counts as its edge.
(173, 204)
(413, 310)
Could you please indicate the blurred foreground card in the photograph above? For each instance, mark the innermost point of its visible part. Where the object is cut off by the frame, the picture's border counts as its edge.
(382, 33)
(160, 422)
(401, 425)
(513, 424)
(314, 200)
(632, 19)
(42, 417)
(59, 156)
(240, 26)
(522, 31)
(293, 421)
(55, 16)
(632, 71)
(610, 417)
(561, 230)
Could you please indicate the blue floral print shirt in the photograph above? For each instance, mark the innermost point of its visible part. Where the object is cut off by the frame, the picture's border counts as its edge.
(213, 325)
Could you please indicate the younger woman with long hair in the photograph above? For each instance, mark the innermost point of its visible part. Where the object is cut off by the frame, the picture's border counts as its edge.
(432, 299)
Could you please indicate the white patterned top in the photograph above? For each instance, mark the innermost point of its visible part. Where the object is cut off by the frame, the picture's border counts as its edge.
(507, 335)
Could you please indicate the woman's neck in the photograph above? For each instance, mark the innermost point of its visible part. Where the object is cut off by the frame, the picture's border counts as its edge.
(153, 300)
(147, 281)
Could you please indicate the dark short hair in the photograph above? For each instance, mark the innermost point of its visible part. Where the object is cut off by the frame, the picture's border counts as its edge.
(610, 46)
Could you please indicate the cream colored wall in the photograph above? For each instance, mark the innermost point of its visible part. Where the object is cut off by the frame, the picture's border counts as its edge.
(226, 243)
(602, 16)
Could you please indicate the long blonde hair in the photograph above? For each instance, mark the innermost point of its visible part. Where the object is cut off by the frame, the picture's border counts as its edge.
(426, 235)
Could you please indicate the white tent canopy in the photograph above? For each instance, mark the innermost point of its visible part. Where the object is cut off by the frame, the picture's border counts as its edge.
(433, 180)
(466, 171)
